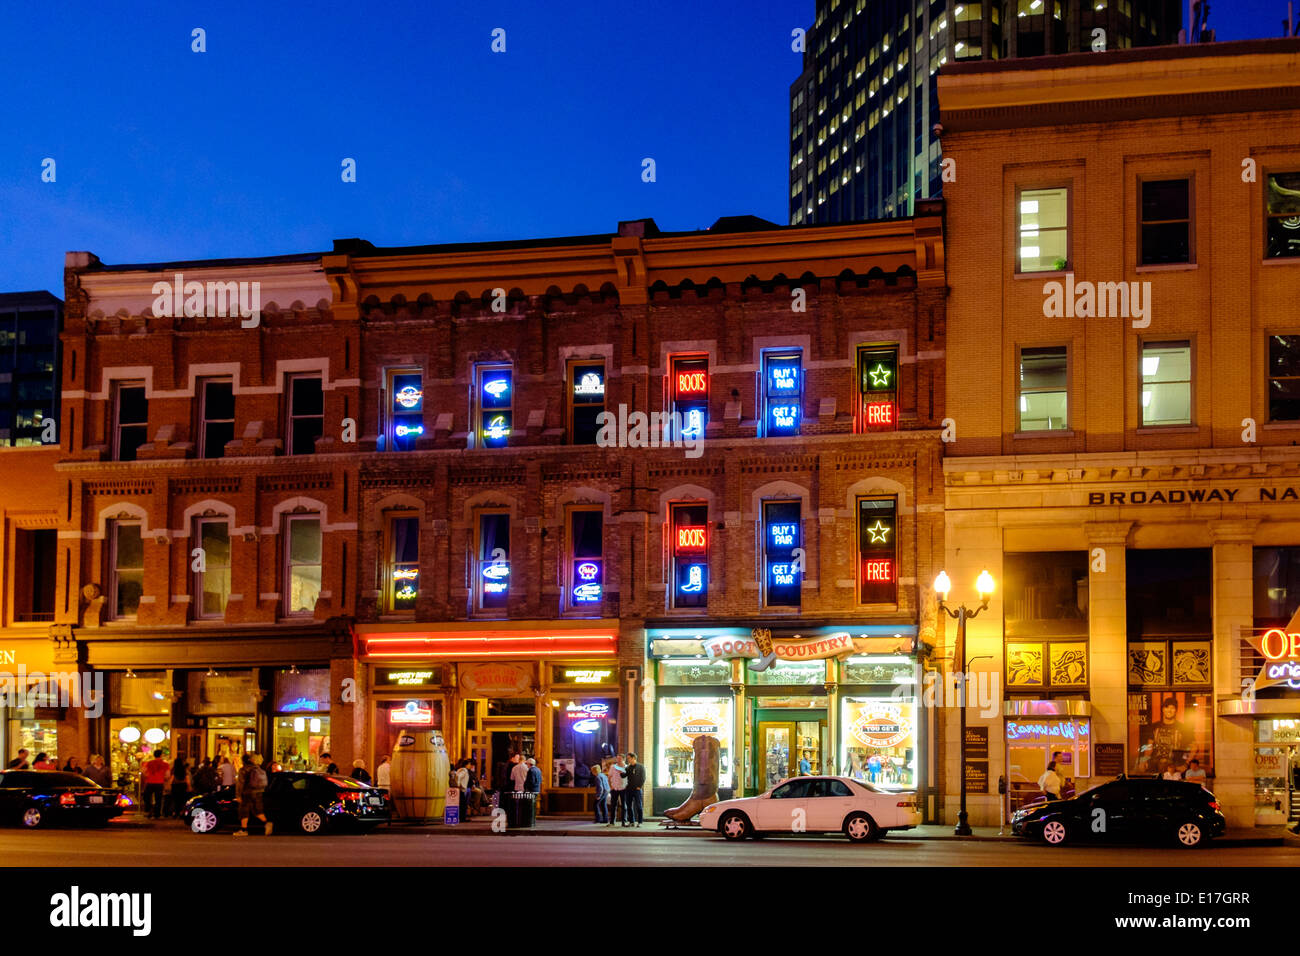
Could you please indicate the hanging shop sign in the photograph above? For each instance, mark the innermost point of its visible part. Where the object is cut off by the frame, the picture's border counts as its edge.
(1281, 652)
(582, 675)
(724, 644)
(408, 678)
(496, 680)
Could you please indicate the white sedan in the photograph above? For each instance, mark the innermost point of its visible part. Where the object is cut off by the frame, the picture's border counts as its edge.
(861, 811)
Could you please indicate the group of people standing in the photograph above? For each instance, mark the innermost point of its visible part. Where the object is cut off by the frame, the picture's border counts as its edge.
(156, 773)
(619, 784)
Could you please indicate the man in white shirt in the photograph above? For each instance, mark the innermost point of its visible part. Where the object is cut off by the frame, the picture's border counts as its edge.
(617, 784)
(1050, 782)
(518, 773)
(384, 773)
(227, 772)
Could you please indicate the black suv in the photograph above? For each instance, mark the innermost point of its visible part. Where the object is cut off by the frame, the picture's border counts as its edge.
(297, 800)
(1126, 810)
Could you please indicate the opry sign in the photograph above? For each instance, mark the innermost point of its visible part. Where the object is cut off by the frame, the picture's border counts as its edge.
(1281, 650)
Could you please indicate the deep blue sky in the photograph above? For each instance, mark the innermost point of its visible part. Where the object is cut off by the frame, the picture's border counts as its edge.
(163, 153)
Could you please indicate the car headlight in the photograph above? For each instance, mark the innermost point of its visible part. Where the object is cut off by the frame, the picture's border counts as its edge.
(711, 808)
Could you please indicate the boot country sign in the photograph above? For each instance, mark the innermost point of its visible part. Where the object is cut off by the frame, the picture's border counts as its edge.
(759, 645)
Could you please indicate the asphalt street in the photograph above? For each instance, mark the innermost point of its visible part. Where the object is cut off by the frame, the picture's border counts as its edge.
(119, 846)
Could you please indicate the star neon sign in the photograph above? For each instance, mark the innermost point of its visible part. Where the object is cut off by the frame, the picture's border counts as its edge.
(878, 531)
(880, 376)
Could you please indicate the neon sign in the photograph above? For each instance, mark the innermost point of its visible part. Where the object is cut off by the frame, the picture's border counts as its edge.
(1277, 644)
(692, 539)
(405, 574)
(587, 676)
(497, 387)
(785, 416)
(880, 413)
(591, 383)
(408, 396)
(593, 709)
(403, 430)
(496, 570)
(880, 376)
(783, 574)
(879, 531)
(783, 535)
(692, 383)
(406, 593)
(586, 593)
(1066, 730)
(588, 571)
(694, 580)
(411, 714)
(1281, 651)
(878, 570)
(693, 427)
(783, 378)
(1286, 672)
(586, 726)
(302, 703)
(497, 428)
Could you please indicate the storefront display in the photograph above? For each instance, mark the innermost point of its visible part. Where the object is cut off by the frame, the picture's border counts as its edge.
(35, 735)
(302, 722)
(1277, 770)
(1033, 742)
(584, 732)
(139, 723)
(681, 720)
(879, 740)
(1169, 729)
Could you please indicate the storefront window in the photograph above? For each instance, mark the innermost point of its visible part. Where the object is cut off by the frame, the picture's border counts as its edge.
(1034, 742)
(392, 717)
(36, 736)
(585, 732)
(140, 705)
(1168, 730)
(788, 672)
(681, 720)
(300, 740)
(1277, 770)
(695, 672)
(879, 740)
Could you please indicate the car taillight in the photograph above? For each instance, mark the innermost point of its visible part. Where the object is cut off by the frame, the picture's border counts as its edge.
(67, 799)
(123, 800)
(906, 803)
(1214, 804)
(350, 796)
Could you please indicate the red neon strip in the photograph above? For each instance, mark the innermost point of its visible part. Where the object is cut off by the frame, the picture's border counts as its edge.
(555, 652)
(488, 636)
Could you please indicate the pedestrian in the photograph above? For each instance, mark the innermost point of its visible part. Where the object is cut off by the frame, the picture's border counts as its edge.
(98, 772)
(617, 784)
(328, 764)
(359, 771)
(72, 766)
(252, 785)
(154, 778)
(1194, 772)
(1171, 773)
(20, 762)
(533, 778)
(477, 798)
(1050, 782)
(518, 773)
(180, 786)
(384, 772)
(602, 793)
(226, 772)
(43, 762)
(805, 764)
(632, 793)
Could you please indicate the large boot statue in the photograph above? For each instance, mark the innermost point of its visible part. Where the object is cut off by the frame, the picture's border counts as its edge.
(708, 760)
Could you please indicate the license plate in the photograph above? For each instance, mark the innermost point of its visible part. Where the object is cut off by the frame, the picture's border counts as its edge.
(96, 799)
(375, 801)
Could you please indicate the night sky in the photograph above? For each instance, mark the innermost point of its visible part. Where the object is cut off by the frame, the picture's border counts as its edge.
(162, 153)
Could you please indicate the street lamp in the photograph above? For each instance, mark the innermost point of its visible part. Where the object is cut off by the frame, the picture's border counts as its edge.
(942, 585)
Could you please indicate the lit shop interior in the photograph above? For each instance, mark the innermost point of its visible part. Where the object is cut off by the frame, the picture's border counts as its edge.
(857, 716)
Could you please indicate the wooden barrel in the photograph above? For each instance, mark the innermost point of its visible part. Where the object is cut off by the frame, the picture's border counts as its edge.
(418, 784)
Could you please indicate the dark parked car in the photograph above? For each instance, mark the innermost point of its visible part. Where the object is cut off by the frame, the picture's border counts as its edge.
(1126, 810)
(37, 798)
(297, 800)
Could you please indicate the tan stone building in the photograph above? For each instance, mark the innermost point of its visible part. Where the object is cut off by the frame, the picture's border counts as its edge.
(1124, 395)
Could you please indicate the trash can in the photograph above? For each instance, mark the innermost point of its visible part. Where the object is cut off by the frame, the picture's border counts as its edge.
(521, 809)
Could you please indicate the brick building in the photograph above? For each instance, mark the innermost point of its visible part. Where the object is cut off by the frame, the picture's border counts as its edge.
(1125, 417)
(410, 511)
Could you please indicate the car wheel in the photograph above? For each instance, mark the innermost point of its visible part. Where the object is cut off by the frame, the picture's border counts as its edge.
(32, 817)
(860, 828)
(735, 826)
(204, 821)
(1054, 833)
(1192, 834)
(313, 821)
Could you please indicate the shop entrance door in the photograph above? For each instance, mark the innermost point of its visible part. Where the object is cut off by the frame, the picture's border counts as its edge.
(783, 741)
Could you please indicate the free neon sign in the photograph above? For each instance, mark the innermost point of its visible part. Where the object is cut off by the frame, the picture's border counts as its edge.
(880, 413)
(878, 571)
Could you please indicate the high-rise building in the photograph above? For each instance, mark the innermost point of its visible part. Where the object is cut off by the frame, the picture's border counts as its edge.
(862, 111)
(29, 365)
